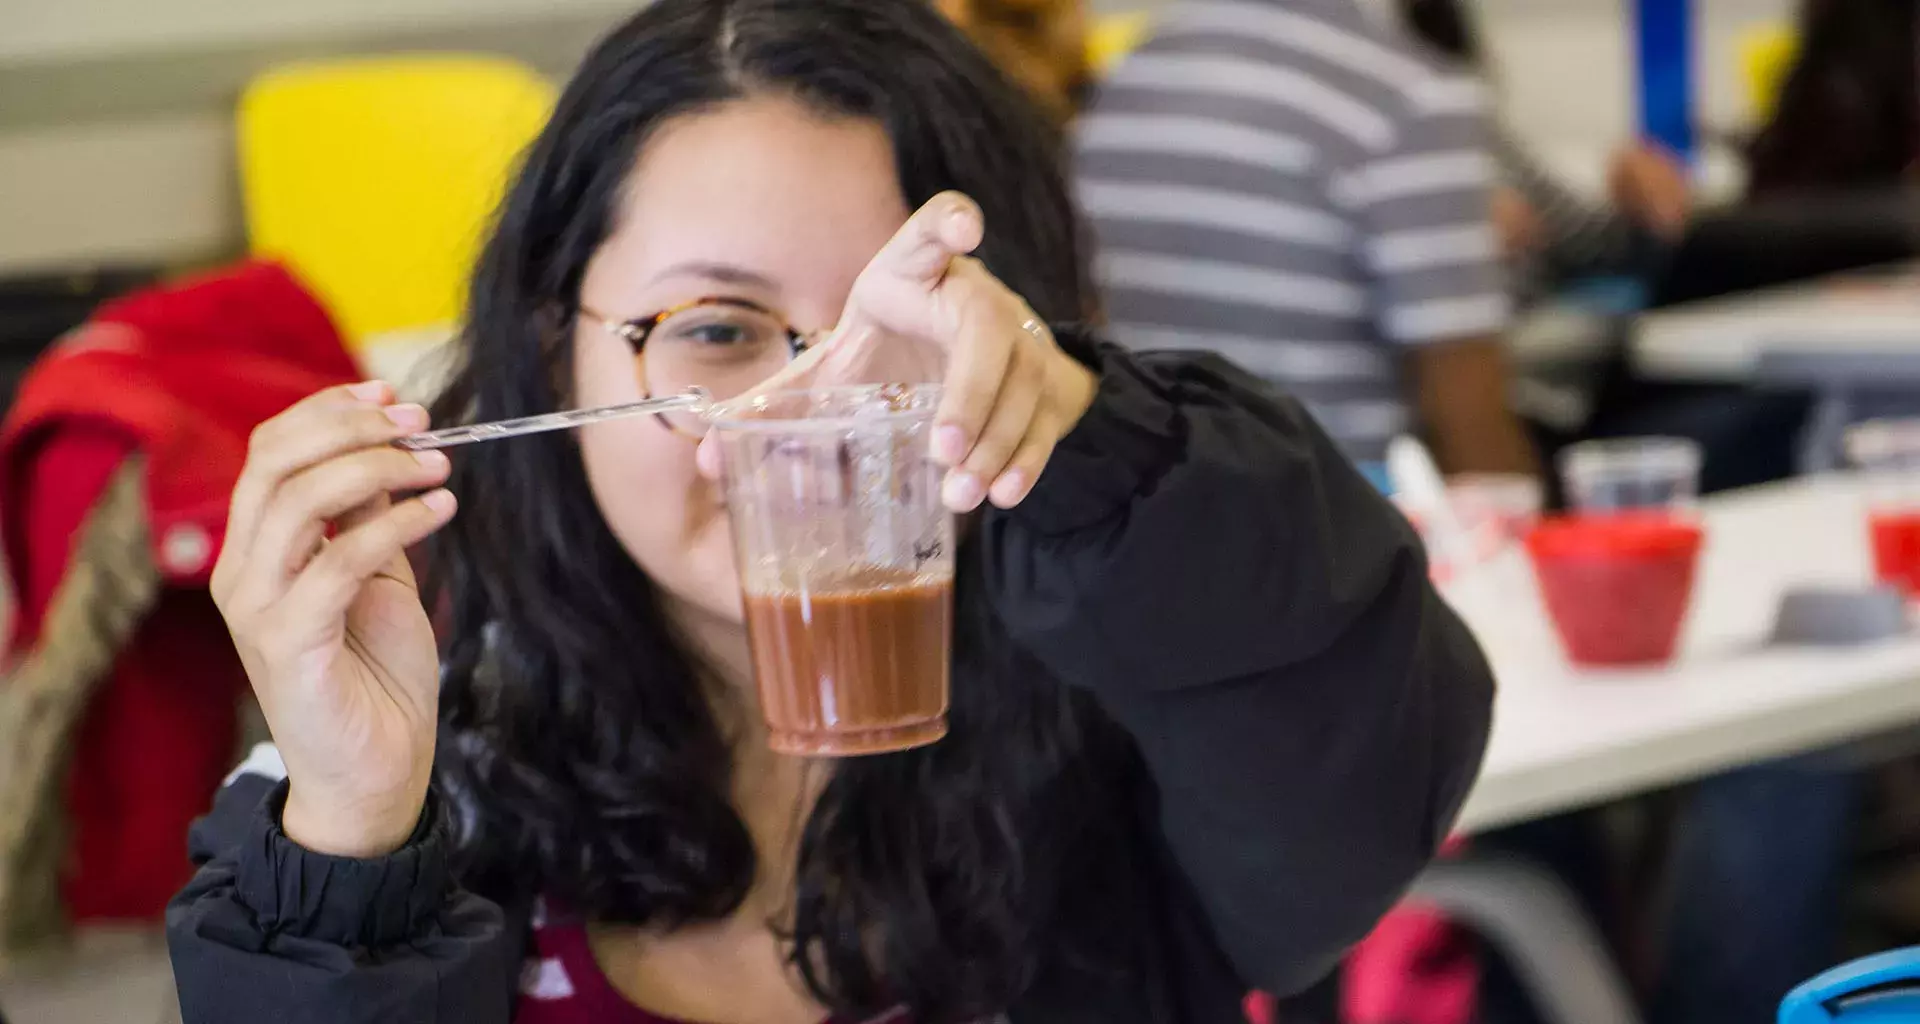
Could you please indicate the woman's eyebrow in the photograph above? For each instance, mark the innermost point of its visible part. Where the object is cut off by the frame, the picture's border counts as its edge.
(723, 273)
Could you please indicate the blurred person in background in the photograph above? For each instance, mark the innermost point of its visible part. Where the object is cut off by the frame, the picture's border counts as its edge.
(1041, 44)
(1548, 230)
(1848, 114)
(1828, 181)
(1306, 190)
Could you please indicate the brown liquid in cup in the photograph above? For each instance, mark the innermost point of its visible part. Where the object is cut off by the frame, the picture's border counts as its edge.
(857, 669)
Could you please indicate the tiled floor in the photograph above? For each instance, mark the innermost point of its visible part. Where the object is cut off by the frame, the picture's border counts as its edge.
(115, 977)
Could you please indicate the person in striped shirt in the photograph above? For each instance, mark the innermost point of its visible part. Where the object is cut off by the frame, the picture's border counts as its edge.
(1549, 231)
(1299, 188)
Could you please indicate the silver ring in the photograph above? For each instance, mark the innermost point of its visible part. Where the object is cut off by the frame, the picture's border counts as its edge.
(1035, 327)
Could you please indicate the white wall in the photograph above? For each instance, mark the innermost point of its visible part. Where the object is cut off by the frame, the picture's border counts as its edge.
(43, 30)
(116, 140)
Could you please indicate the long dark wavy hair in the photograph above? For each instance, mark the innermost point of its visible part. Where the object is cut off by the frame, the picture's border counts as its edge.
(581, 757)
(1848, 114)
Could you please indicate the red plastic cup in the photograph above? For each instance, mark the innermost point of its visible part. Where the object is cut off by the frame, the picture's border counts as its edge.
(1616, 586)
(1896, 548)
(1887, 454)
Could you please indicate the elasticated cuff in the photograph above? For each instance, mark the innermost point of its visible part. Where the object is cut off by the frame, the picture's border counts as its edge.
(376, 902)
(1130, 436)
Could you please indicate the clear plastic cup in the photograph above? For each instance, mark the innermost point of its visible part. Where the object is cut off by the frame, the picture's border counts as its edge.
(1887, 455)
(1497, 507)
(1637, 474)
(1492, 510)
(845, 557)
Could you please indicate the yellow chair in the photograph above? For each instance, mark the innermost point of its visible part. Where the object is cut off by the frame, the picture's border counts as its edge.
(376, 178)
(1113, 37)
(1767, 54)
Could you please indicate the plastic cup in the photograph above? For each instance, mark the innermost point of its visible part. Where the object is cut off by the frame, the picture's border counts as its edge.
(1500, 507)
(845, 558)
(1616, 586)
(1494, 510)
(1887, 454)
(1631, 474)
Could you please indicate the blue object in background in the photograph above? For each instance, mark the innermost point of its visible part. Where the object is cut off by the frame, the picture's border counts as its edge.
(1376, 474)
(1875, 990)
(1664, 49)
(1610, 296)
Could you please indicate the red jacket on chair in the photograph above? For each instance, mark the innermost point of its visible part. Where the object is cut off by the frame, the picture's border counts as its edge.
(176, 377)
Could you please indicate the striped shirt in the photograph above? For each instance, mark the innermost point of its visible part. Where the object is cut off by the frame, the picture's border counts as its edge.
(1293, 186)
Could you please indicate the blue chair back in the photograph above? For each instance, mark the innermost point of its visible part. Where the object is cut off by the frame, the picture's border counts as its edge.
(1878, 989)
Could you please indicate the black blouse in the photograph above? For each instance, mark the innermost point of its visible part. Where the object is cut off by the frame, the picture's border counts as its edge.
(1302, 717)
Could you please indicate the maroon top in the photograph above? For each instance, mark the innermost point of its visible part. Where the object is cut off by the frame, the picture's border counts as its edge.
(561, 983)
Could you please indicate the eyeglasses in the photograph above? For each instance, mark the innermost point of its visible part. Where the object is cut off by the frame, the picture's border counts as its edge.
(722, 344)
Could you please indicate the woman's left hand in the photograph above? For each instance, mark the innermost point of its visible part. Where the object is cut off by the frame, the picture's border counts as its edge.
(924, 310)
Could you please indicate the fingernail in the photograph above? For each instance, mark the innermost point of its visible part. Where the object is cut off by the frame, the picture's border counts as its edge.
(440, 500)
(368, 391)
(406, 417)
(960, 219)
(961, 492)
(706, 459)
(1010, 488)
(949, 445)
(432, 459)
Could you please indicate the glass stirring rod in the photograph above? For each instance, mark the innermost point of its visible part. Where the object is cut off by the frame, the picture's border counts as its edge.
(692, 399)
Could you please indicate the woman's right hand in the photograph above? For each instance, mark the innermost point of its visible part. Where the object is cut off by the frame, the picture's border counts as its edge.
(315, 587)
(1650, 185)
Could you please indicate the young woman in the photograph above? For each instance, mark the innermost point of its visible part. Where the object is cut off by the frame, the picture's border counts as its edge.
(1208, 716)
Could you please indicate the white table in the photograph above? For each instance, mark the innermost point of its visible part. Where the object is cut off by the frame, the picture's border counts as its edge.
(1849, 338)
(1873, 314)
(1565, 738)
